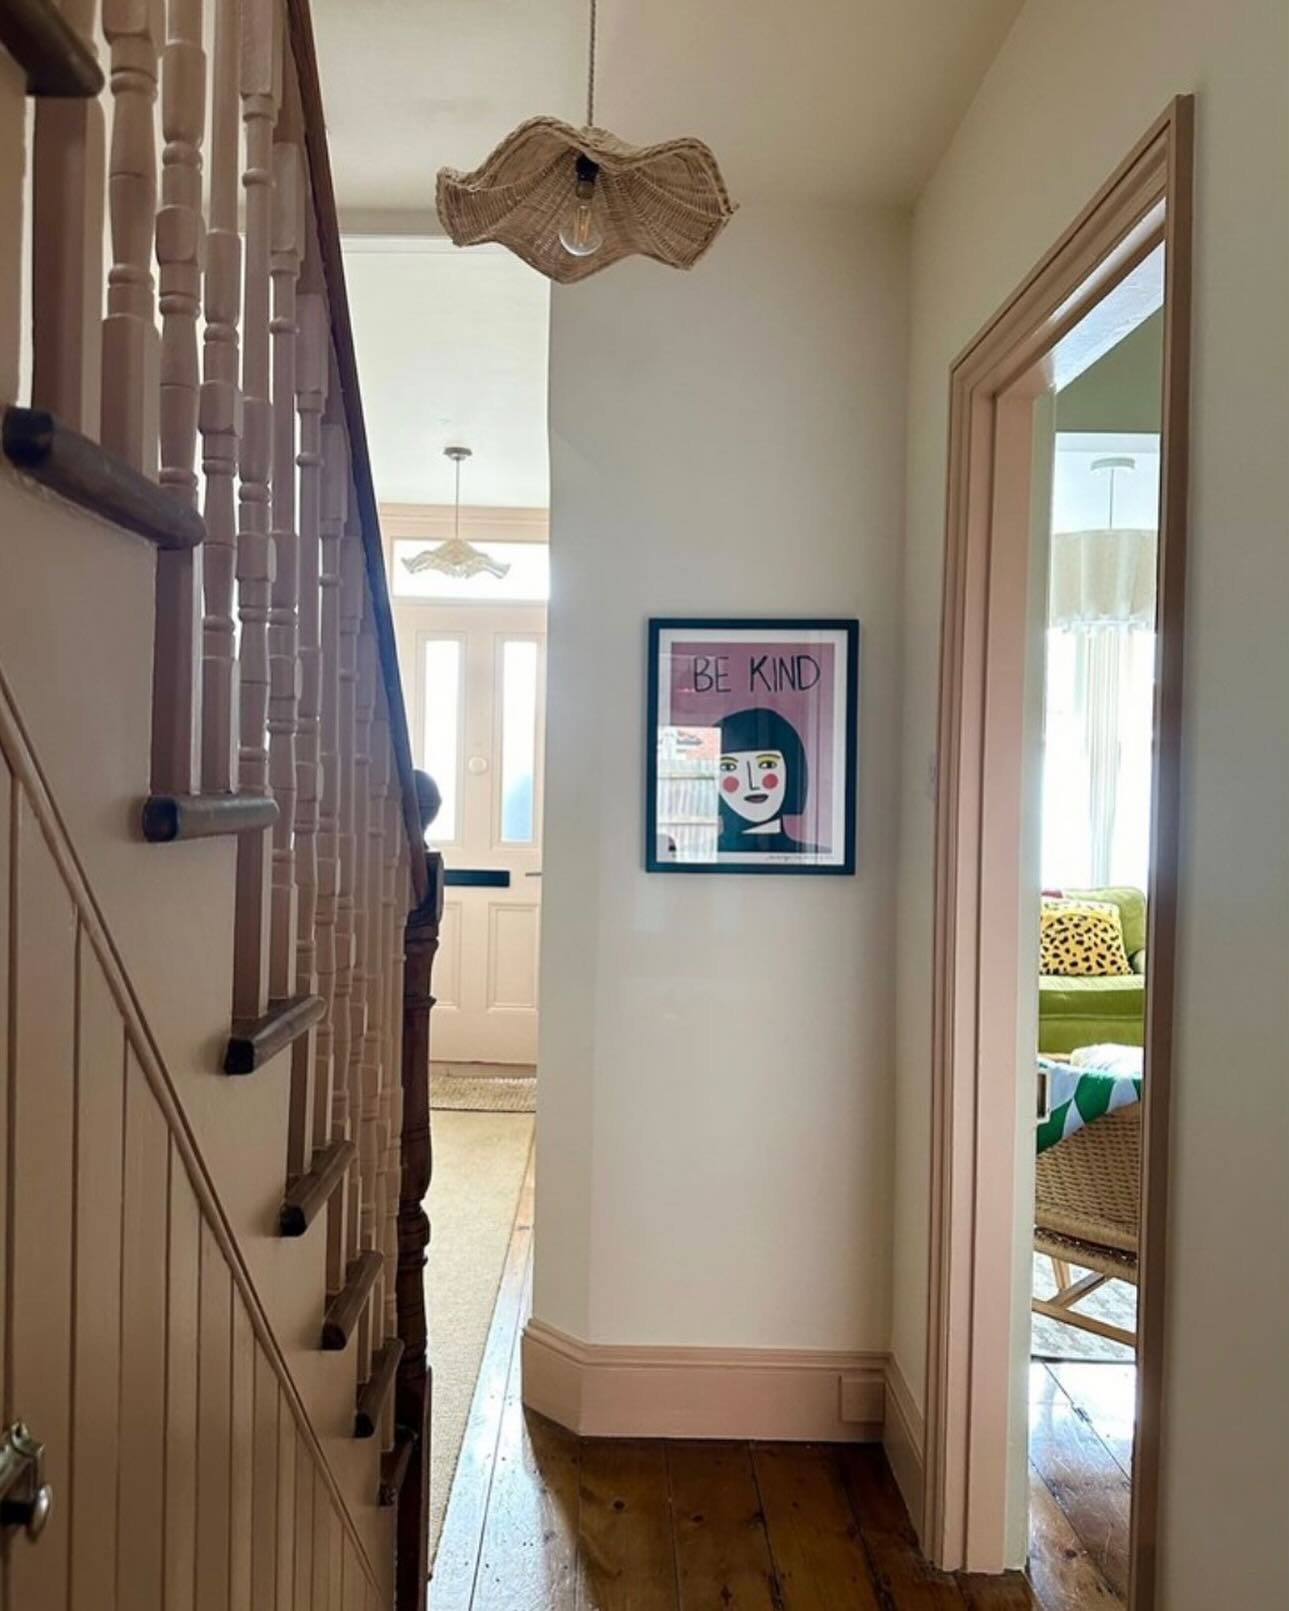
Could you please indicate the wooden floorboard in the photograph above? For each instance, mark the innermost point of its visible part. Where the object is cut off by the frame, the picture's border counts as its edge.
(540, 1520)
(1087, 1483)
(457, 1559)
(1064, 1576)
(626, 1550)
(528, 1557)
(722, 1554)
(904, 1581)
(815, 1544)
(1105, 1395)
(1011, 1591)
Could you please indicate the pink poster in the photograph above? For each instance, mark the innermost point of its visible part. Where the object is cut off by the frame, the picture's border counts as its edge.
(752, 746)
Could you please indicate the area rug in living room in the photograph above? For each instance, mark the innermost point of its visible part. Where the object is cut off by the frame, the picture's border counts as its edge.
(1054, 1340)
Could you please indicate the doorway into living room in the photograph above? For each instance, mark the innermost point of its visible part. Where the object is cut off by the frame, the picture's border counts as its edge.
(1056, 875)
(1096, 501)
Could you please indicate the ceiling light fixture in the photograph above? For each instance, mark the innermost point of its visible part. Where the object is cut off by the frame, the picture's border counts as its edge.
(572, 201)
(456, 558)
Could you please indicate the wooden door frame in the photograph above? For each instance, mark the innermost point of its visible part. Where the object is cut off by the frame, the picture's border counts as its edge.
(977, 938)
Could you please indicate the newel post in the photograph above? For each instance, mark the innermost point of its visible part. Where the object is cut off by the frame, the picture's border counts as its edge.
(413, 1389)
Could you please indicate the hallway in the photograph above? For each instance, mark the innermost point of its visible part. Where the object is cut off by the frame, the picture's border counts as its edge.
(540, 1520)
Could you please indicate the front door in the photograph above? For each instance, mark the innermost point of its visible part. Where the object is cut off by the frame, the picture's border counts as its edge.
(478, 706)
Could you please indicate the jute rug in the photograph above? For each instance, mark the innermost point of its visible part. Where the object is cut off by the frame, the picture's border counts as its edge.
(483, 1088)
(1053, 1339)
(479, 1164)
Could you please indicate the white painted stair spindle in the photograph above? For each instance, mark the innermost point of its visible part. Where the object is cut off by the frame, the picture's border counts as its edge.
(68, 170)
(284, 667)
(312, 353)
(220, 413)
(131, 367)
(180, 251)
(260, 81)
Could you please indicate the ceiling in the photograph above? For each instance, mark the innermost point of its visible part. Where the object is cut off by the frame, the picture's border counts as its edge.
(817, 98)
(451, 350)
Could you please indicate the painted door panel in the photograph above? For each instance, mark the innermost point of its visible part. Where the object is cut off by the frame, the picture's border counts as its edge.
(477, 679)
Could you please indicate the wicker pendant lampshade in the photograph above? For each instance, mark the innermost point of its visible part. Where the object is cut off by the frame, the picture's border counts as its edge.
(572, 201)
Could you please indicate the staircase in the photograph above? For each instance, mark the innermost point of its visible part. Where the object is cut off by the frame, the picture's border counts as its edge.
(217, 915)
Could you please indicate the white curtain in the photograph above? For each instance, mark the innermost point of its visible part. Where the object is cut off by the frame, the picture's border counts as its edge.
(1099, 709)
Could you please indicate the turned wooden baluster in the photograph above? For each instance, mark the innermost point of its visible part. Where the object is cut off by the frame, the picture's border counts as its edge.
(335, 496)
(397, 892)
(413, 1389)
(361, 1184)
(131, 360)
(312, 354)
(343, 1223)
(260, 80)
(284, 668)
(375, 1135)
(393, 911)
(180, 250)
(67, 248)
(220, 412)
(179, 243)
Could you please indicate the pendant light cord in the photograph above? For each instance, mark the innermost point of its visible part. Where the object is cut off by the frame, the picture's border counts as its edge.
(590, 74)
(456, 521)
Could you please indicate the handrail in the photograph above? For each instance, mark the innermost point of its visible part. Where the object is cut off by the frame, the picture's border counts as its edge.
(300, 24)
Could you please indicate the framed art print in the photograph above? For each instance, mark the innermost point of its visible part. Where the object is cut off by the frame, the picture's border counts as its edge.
(751, 763)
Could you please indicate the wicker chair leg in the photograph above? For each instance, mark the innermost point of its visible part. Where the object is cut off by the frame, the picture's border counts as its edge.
(1071, 1317)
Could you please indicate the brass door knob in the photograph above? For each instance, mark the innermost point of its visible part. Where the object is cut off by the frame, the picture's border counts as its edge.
(26, 1499)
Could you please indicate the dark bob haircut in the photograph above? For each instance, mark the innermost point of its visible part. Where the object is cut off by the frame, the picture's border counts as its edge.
(761, 729)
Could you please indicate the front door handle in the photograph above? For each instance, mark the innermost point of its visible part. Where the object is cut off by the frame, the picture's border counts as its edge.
(26, 1499)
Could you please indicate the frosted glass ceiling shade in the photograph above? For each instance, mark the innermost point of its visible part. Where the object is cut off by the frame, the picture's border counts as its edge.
(665, 201)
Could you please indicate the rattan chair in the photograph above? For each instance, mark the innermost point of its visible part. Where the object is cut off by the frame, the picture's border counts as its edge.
(1087, 1209)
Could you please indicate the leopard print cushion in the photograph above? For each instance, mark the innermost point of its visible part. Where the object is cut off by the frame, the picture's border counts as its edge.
(1081, 939)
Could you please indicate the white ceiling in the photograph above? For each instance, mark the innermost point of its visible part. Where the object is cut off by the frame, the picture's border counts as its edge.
(853, 98)
(451, 350)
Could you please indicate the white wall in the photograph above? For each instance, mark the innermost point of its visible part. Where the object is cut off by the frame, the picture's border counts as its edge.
(715, 1109)
(1071, 91)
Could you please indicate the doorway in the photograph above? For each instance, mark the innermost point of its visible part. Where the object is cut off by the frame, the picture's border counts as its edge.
(1094, 550)
(987, 1081)
(478, 698)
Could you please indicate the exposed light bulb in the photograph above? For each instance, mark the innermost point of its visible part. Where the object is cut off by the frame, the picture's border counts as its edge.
(580, 232)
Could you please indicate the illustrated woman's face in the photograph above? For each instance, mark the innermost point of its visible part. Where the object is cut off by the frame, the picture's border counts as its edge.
(752, 782)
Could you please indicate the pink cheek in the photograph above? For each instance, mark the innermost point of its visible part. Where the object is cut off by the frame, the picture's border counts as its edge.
(730, 785)
(770, 780)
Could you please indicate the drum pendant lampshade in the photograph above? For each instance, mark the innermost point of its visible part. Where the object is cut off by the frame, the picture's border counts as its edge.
(571, 201)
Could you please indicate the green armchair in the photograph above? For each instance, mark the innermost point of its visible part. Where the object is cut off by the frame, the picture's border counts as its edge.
(1075, 1012)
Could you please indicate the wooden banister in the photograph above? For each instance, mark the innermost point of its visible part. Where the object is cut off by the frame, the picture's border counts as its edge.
(50, 52)
(300, 28)
(167, 817)
(375, 1391)
(311, 1192)
(345, 1309)
(89, 475)
(252, 1044)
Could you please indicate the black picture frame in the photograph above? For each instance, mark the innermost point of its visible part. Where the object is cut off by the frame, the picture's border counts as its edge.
(747, 632)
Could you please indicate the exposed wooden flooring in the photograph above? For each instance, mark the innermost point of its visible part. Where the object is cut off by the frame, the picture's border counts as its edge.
(1080, 1450)
(539, 1520)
